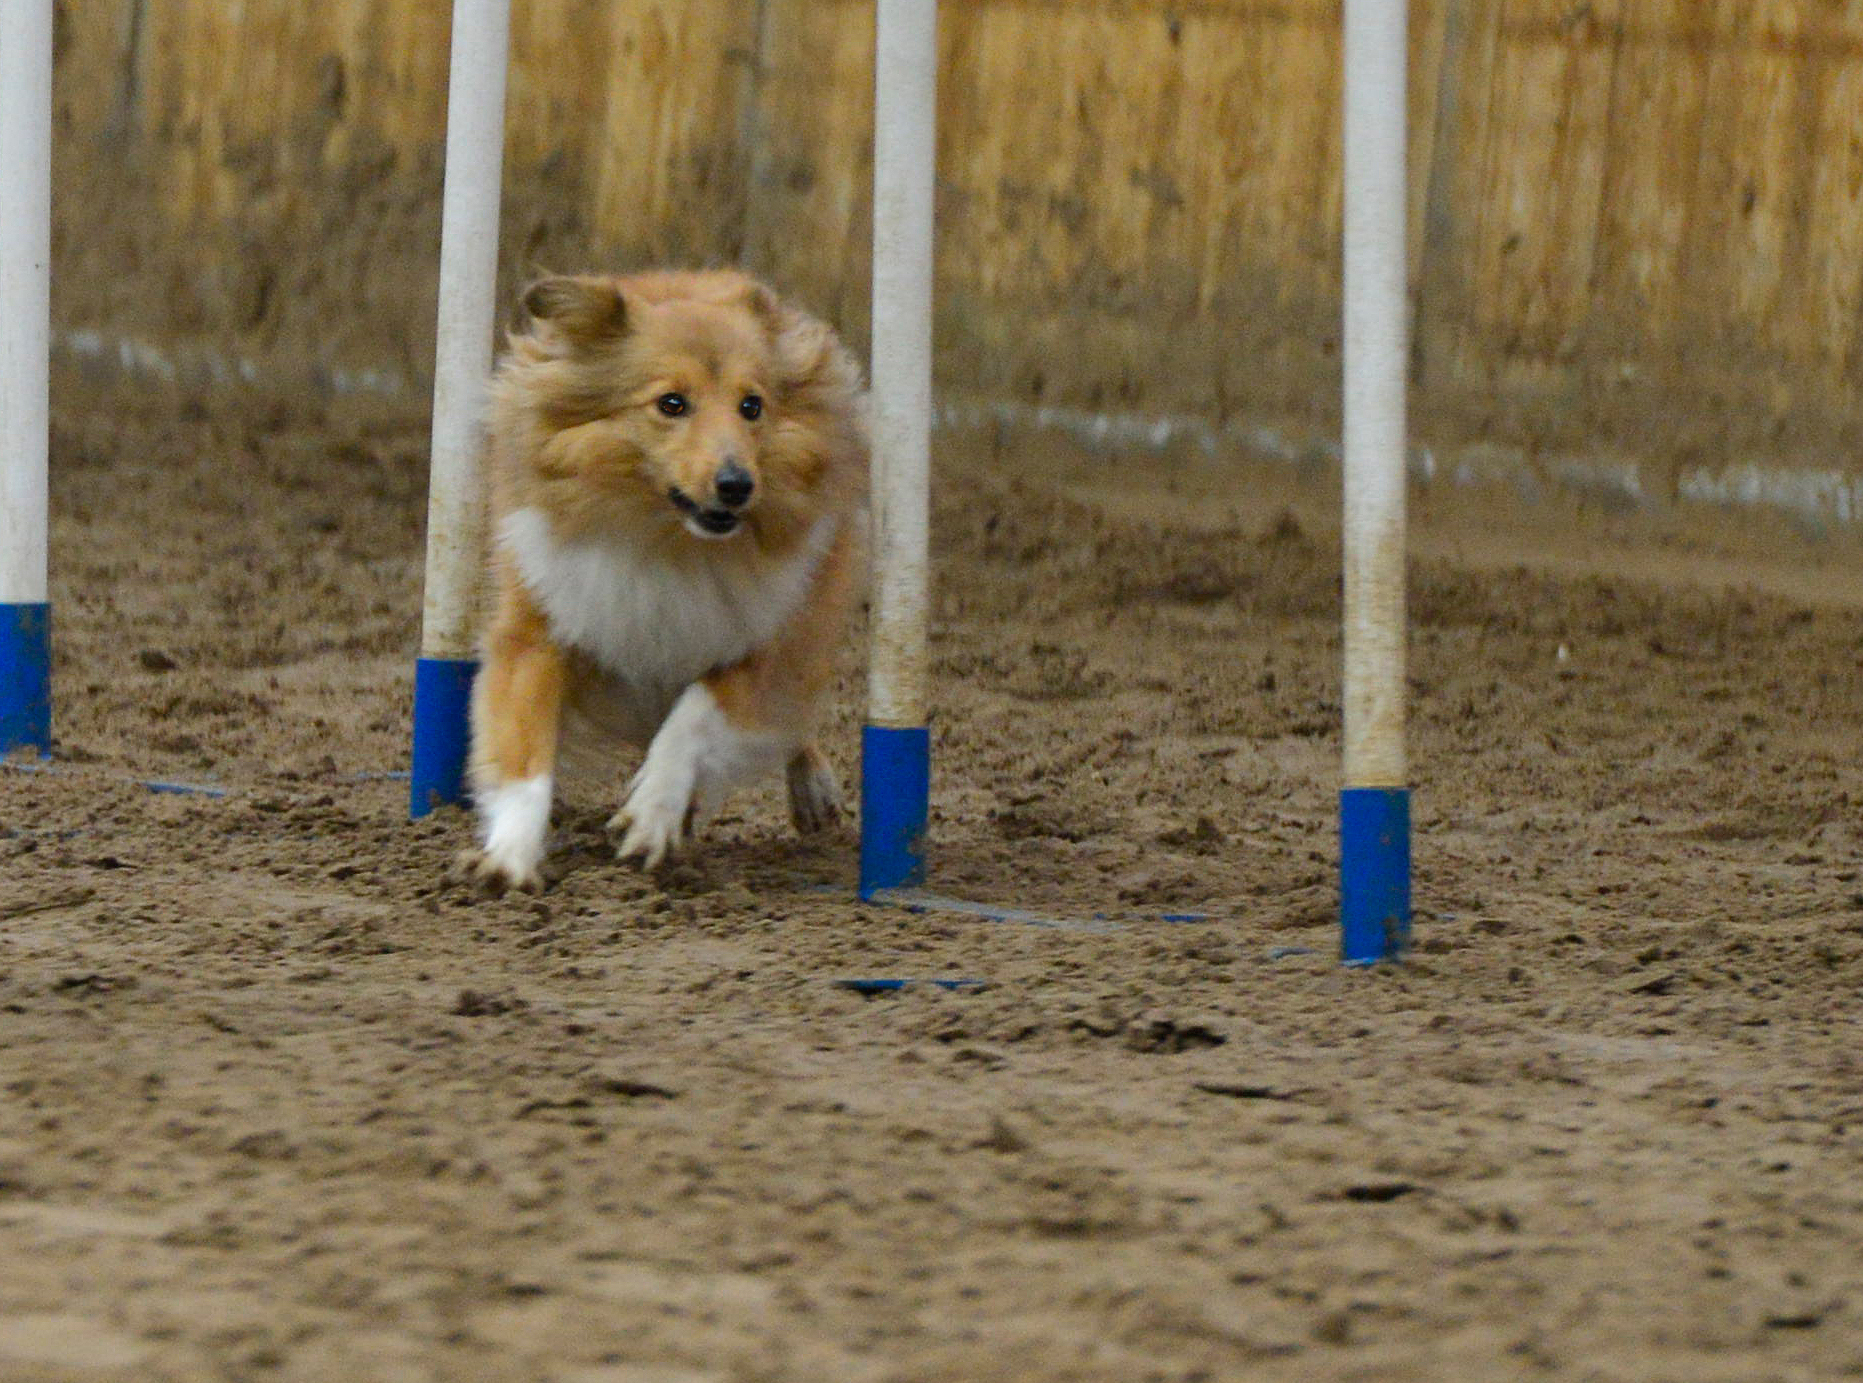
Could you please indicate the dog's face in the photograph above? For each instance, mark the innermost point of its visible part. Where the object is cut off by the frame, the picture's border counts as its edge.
(683, 401)
(705, 386)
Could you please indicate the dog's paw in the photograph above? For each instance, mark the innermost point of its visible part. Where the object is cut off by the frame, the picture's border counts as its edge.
(488, 873)
(516, 818)
(661, 801)
(814, 796)
(651, 831)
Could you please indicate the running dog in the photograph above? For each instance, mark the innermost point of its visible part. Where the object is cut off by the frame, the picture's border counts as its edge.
(677, 471)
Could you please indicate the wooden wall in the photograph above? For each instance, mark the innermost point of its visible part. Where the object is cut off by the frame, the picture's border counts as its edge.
(1630, 216)
(1662, 178)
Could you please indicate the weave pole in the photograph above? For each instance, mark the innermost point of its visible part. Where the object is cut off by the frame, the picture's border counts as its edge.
(1374, 807)
(475, 137)
(895, 765)
(25, 404)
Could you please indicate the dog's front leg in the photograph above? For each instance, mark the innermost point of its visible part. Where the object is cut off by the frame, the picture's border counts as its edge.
(706, 746)
(742, 721)
(516, 709)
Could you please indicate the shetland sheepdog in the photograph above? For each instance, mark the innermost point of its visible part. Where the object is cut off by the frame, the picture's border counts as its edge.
(677, 473)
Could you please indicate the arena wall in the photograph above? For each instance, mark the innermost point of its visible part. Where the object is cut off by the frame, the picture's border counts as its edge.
(1638, 224)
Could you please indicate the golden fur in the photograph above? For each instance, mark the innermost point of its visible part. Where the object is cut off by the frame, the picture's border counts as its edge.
(611, 584)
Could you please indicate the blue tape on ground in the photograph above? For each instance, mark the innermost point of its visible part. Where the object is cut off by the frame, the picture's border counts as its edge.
(1374, 874)
(919, 900)
(442, 733)
(160, 786)
(26, 677)
(923, 900)
(895, 796)
(894, 986)
(183, 789)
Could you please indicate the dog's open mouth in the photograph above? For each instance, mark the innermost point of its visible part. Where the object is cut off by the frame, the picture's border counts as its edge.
(707, 520)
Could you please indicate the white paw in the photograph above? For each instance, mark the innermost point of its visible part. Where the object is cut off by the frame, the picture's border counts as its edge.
(697, 756)
(480, 870)
(814, 796)
(653, 822)
(516, 818)
(651, 833)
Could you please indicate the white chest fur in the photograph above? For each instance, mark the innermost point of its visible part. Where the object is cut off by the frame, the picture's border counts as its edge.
(654, 625)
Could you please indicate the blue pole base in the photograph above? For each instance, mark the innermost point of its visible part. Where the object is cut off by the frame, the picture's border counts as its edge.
(1374, 873)
(442, 733)
(26, 677)
(895, 800)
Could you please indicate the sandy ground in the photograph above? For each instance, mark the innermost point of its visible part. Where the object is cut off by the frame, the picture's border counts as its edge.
(281, 1104)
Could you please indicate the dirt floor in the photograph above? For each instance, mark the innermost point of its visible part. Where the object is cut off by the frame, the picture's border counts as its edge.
(281, 1104)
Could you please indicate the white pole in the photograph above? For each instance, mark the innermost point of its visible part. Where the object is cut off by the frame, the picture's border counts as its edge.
(475, 131)
(895, 753)
(1375, 808)
(25, 334)
(904, 142)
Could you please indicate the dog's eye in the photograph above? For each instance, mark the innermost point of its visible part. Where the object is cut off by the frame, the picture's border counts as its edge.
(672, 404)
(751, 407)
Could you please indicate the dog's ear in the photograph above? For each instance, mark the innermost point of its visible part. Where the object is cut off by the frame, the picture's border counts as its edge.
(808, 356)
(578, 310)
(802, 344)
(766, 307)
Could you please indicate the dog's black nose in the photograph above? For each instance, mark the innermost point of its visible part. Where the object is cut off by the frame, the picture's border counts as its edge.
(733, 484)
